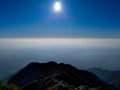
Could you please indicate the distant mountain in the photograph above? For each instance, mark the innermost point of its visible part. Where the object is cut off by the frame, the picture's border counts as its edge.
(111, 77)
(53, 76)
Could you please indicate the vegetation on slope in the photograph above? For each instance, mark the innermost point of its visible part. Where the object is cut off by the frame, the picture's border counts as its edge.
(4, 86)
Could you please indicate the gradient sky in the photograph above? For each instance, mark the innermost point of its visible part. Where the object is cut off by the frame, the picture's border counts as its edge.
(79, 18)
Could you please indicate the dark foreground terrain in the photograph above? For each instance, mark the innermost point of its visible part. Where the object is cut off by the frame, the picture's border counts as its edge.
(53, 76)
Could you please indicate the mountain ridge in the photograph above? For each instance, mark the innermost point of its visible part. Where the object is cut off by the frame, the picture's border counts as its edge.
(53, 76)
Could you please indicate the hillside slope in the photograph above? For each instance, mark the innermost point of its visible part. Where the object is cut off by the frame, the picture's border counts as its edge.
(53, 76)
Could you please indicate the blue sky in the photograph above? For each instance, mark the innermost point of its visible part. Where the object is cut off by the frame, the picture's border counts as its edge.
(79, 18)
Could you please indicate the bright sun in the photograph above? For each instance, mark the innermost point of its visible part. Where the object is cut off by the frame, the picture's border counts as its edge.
(57, 6)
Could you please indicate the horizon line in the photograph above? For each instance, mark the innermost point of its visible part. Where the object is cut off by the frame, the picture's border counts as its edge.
(59, 38)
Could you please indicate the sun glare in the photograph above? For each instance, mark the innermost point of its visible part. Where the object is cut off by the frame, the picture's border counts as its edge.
(57, 6)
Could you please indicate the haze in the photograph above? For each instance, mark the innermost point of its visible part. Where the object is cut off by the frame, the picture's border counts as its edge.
(83, 53)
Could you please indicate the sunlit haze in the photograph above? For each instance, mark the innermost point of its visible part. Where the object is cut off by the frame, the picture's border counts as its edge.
(83, 53)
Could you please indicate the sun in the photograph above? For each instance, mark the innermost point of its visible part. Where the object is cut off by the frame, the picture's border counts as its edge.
(57, 6)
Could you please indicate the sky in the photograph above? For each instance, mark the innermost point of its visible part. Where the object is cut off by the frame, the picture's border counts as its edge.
(85, 33)
(78, 18)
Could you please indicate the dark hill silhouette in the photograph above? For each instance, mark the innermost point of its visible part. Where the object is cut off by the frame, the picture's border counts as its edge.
(53, 76)
(31, 72)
